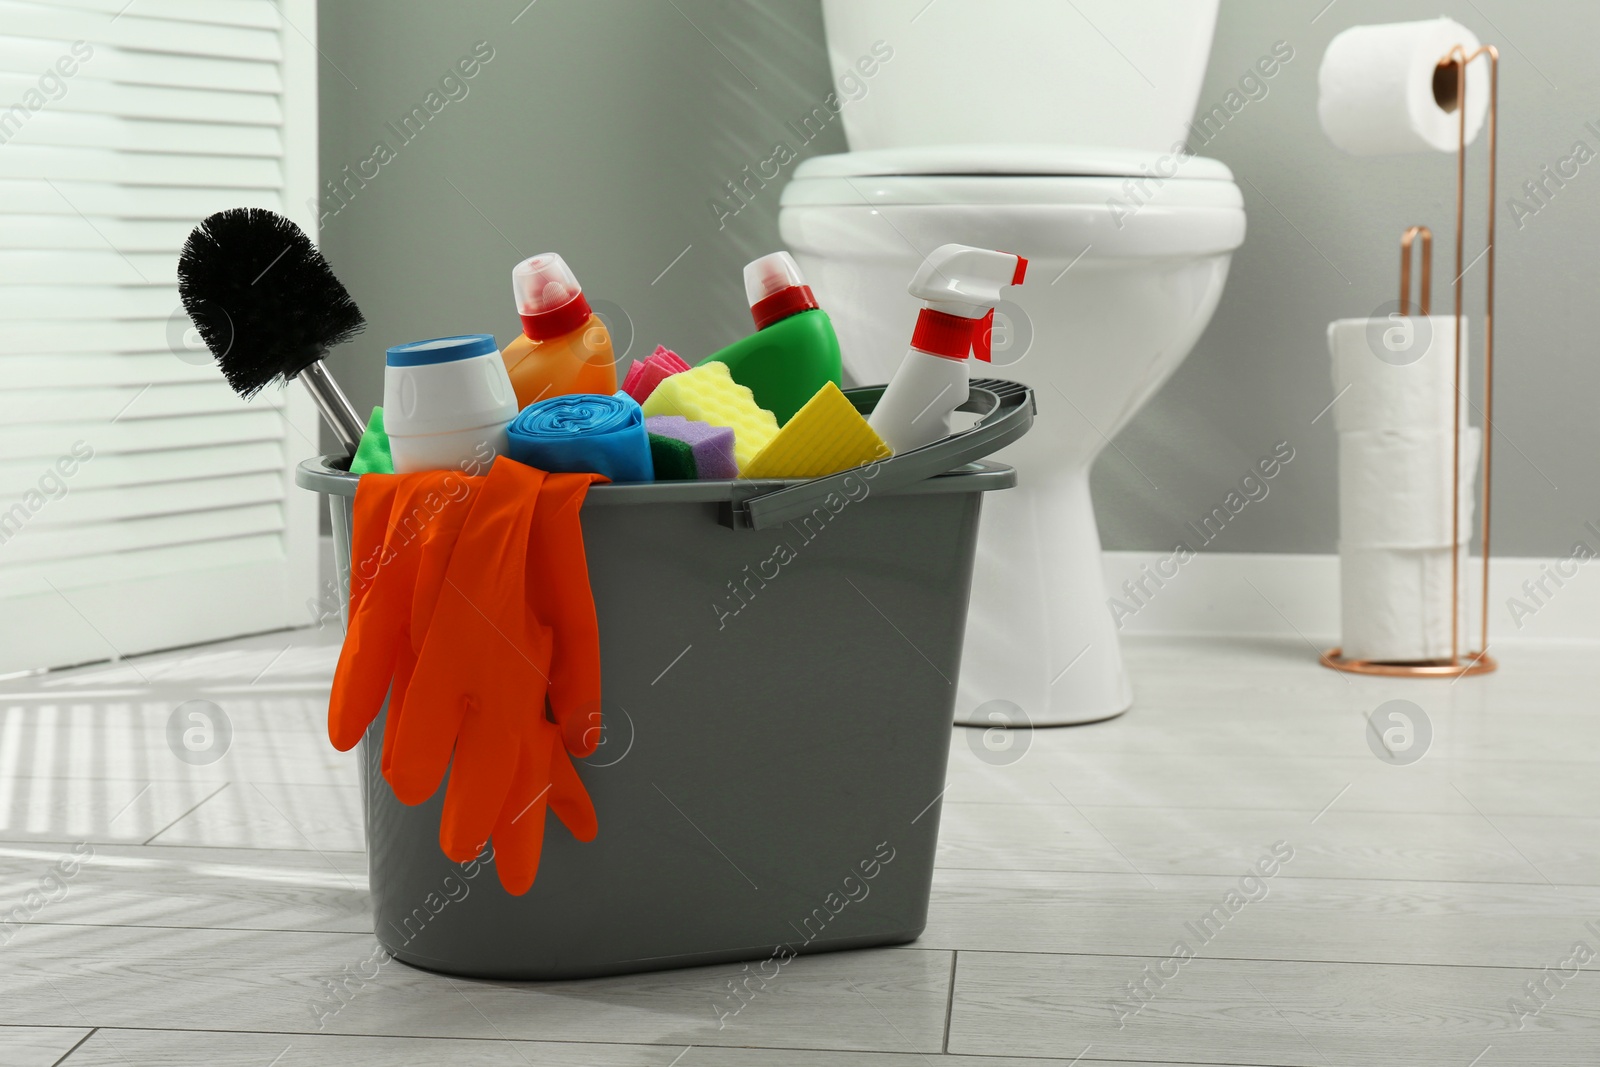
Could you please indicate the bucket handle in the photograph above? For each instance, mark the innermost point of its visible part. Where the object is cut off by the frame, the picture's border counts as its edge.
(1005, 411)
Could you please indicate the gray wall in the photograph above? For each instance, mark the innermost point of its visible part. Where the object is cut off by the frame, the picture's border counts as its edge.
(602, 128)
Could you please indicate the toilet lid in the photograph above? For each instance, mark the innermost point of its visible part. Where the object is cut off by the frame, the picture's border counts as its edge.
(1034, 160)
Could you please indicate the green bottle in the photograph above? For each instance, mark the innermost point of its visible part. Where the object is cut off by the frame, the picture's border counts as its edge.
(793, 352)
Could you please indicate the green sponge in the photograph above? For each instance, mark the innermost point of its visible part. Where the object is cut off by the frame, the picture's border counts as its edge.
(673, 459)
(372, 454)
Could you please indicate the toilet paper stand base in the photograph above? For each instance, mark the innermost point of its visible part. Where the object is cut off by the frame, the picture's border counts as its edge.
(1474, 663)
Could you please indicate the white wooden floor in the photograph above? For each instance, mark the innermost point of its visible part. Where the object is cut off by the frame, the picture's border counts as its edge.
(1419, 904)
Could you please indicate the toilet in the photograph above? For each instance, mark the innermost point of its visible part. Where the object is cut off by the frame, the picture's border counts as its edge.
(1026, 127)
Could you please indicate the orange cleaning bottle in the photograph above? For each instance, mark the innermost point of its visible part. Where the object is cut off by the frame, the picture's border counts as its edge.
(564, 346)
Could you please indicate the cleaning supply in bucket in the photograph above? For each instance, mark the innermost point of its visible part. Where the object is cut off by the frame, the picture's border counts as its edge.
(474, 707)
(708, 393)
(672, 459)
(584, 432)
(825, 437)
(959, 286)
(707, 449)
(269, 308)
(447, 571)
(403, 530)
(372, 453)
(564, 347)
(645, 374)
(446, 402)
(794, 351)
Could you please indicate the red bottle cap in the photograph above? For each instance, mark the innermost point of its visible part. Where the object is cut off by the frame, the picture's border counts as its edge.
(562, 320)
(548, 297)
(776, 289)
(941, 334)
(782, 304)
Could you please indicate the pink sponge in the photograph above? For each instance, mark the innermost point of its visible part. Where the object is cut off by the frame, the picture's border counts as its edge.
(712, 446)
(645, 374)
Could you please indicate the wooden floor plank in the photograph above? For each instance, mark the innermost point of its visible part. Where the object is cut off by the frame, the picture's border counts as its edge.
(883, 1000)
(1051, 771)
(1313, 920)
(1340, 844)
(224, 889)
(324, 818)
(1248, 1012)
(38, 1046)
(119, 1048)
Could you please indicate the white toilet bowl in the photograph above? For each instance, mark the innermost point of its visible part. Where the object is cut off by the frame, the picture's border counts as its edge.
(1128, 250)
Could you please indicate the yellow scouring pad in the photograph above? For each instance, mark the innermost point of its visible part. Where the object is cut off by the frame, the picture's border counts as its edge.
(826, 436)
(709, 394)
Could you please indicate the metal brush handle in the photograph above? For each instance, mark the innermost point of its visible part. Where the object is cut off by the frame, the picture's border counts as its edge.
(337, 411)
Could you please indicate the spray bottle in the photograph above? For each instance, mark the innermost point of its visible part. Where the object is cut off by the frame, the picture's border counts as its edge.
(563, 347)
(959, 286)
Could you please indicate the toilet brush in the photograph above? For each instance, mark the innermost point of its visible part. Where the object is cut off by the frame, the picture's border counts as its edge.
(269, 307)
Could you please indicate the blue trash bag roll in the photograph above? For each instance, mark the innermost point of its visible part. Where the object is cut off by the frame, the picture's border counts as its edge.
(582, 432)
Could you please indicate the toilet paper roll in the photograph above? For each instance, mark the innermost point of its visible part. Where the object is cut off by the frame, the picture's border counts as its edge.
(1394, 487)
(1396, 373)
(1376, 88)
(1395, 603)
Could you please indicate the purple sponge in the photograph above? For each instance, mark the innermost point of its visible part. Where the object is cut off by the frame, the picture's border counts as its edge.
(712, 445)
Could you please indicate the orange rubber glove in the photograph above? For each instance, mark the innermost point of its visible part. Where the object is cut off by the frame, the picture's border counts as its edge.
(560, 599)
(544, 778)
(559, 594)
(404, 529)
(478, 691)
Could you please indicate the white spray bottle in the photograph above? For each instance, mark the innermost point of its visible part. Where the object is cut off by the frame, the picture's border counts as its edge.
(959, 286)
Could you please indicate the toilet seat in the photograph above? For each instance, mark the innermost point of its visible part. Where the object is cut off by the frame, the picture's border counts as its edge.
(1055, 198)
(1046, 160)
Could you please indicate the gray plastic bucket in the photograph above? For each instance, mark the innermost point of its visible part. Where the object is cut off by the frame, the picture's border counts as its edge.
(779, 664)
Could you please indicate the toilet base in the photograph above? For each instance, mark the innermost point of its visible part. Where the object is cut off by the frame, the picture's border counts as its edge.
(1089, 719)
(1041, 646)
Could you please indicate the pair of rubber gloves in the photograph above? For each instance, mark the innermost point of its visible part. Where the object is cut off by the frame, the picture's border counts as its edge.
(470, 606)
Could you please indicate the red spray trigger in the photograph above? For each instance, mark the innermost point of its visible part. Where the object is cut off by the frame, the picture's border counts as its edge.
(982, 334)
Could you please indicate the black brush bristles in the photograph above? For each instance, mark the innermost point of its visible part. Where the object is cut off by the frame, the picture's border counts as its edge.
(264, 300)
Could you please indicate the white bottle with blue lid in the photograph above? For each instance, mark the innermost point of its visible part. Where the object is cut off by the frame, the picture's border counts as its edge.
(446, 404)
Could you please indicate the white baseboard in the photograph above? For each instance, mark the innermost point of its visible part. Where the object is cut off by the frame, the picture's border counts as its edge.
(1212, 594)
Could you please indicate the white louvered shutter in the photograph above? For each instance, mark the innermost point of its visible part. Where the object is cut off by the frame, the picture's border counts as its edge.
(185, 525)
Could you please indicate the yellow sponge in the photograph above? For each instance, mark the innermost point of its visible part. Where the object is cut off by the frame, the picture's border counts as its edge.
(708, 393)
(826, 436)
